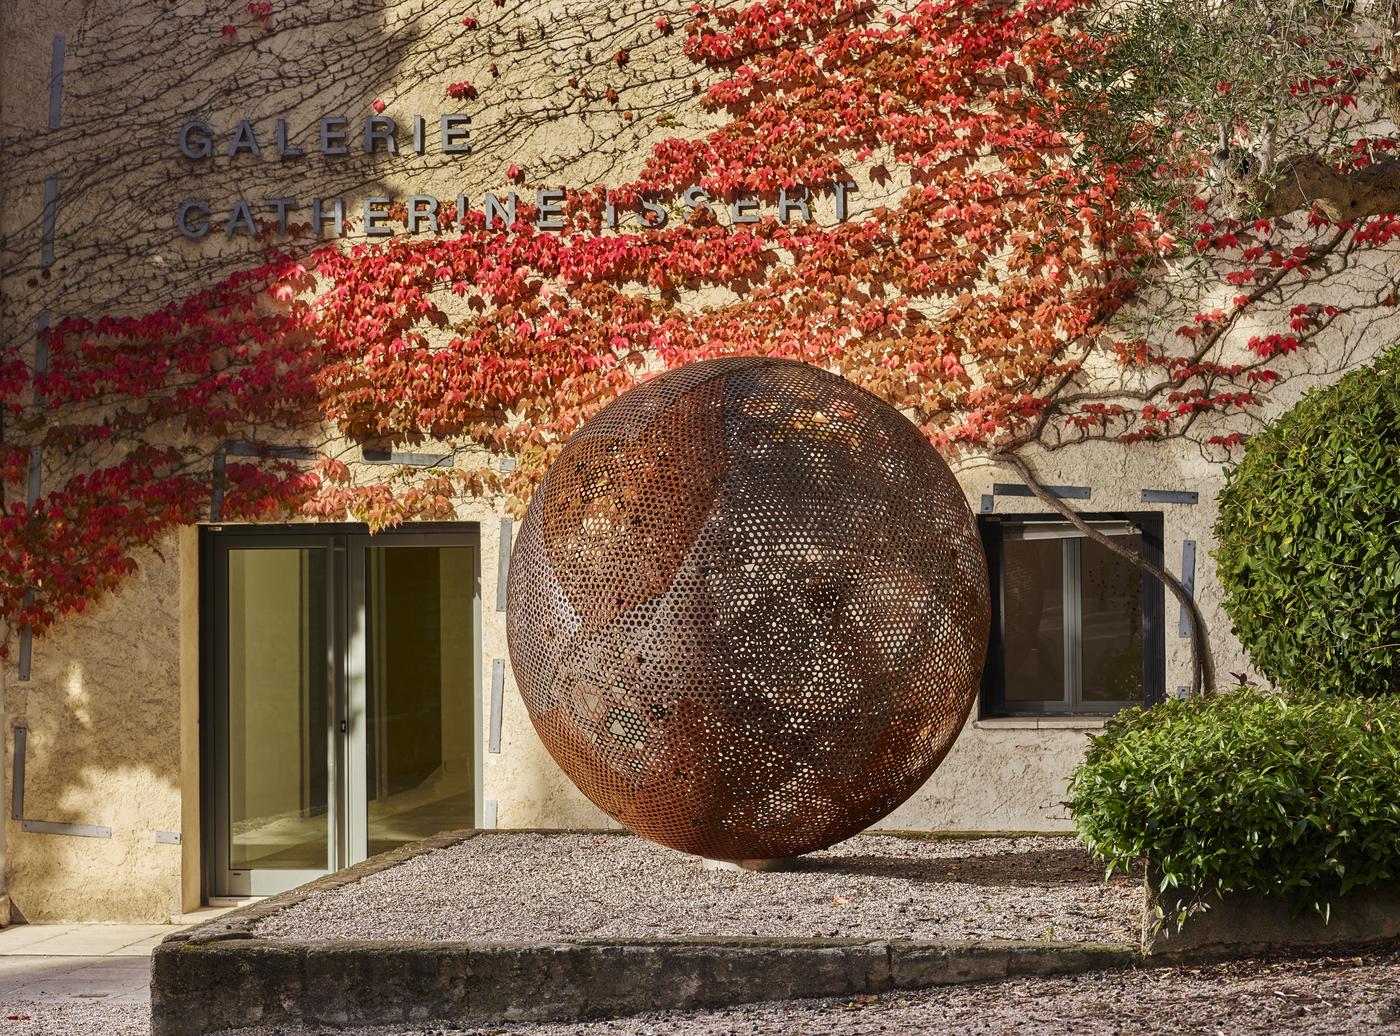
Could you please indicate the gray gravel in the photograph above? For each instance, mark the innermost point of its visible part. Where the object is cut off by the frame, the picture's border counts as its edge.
(513, 886)
(1318, 997)
(76, 1018)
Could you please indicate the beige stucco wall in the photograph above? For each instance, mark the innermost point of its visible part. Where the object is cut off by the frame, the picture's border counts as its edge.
(111, 707)
(102, 711)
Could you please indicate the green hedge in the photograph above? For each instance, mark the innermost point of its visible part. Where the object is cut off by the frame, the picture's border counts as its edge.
(1248, 791)
(1309, 533)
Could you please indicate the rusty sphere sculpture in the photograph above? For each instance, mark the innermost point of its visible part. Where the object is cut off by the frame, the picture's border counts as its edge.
(748, 609)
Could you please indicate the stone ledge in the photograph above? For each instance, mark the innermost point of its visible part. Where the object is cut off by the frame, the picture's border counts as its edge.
(202, 986)
(1246, 924)
(1039, 723)
(223, 975)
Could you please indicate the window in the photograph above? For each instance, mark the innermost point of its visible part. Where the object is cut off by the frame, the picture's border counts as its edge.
(1076, 628)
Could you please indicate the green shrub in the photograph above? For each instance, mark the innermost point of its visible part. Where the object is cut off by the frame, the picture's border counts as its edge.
(1248, 791)
(1309, 533)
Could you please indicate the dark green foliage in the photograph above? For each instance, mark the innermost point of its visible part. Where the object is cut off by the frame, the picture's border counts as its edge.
(1248, 791)
(1309, 532)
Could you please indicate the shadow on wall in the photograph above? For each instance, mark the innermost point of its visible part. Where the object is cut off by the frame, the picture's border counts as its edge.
(101, 716)
(102, 709)
(123, 178)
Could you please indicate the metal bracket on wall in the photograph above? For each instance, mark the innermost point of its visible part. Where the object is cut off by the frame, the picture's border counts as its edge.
(1188, 583)
(216, 494)
(1063, 492)
(503, 563)
(42, 827)
(248, 449)
(50, 219)
(26, 643)
(498, 686)
(488, 814)
(244, 449)
(413, 460)
(1170, 496)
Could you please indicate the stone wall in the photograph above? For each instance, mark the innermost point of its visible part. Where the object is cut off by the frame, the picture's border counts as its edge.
(107, 707)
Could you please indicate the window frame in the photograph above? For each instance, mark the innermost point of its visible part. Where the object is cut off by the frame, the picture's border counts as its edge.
(992, 701)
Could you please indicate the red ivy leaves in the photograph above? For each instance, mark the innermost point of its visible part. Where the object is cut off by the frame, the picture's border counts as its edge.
(965, 303)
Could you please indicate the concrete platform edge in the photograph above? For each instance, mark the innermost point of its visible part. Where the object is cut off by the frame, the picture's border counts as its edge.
(199, 987)
(1243, 924)
(222, 975)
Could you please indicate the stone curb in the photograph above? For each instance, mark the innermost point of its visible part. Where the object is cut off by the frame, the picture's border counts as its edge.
(202, 986)
(1242, 924)
(221, 975)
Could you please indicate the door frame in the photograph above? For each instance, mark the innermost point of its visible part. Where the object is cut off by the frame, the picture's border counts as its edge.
(347, 683)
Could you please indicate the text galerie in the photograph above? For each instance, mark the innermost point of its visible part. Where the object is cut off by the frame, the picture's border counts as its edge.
(381, 135)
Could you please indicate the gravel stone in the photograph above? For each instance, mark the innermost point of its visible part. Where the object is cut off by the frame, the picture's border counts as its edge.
(75, 1018)
(517, 886)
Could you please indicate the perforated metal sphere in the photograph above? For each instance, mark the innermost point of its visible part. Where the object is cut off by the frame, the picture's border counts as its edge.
(748, 609)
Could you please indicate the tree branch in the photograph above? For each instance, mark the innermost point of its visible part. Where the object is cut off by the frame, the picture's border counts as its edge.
(1309, 181)
(1202, 666)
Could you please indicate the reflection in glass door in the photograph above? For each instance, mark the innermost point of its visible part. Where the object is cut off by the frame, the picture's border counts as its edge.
(344, 698)
(273, 731)
(418, 707)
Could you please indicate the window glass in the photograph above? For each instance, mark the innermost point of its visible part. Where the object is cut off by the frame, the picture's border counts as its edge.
(1110, 593)
(277, 710)
(1032, 604)
(1075, 620)
(419, 707)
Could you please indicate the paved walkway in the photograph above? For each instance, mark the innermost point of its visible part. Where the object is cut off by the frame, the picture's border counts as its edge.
(60, 963)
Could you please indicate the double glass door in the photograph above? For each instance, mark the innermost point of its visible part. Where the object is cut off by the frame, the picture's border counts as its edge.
(345, 698)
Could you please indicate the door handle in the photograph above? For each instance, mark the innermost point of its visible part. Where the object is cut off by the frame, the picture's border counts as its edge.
(344, 726)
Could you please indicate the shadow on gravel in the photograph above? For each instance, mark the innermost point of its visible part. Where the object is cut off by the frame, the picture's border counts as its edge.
(1037, 868)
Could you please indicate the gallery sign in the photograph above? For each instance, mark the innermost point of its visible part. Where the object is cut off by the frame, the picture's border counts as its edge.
(447, 134)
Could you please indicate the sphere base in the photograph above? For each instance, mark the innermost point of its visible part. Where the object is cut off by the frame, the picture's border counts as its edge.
(786, 863)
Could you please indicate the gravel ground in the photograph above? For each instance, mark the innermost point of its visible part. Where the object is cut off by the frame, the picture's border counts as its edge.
(80, 1018)
(1319, 997)
(521, 886)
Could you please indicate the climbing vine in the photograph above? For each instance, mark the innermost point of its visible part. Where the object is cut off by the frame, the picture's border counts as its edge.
(989, 301)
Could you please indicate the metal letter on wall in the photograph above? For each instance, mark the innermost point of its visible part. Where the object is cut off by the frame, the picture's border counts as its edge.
(1170, 496)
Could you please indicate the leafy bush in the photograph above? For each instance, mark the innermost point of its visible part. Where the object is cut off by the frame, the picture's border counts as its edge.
(1248, 791)
(1309, 532)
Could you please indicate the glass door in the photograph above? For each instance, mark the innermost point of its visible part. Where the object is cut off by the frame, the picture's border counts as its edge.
(345, 704)
(413, 754)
